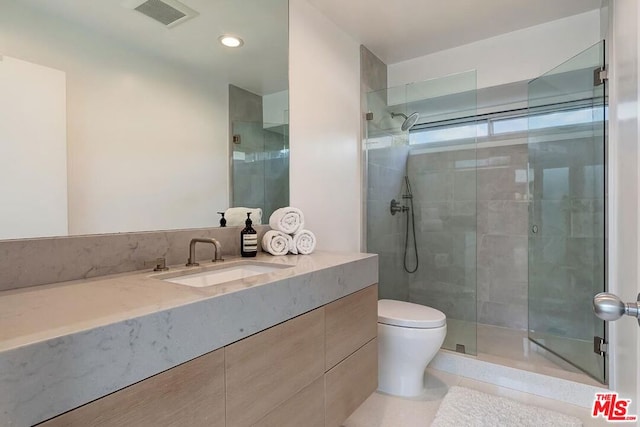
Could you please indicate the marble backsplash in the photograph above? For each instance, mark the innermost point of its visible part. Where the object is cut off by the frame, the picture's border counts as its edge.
(31, 262)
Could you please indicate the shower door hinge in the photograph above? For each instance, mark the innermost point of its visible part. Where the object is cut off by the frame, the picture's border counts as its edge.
(600, 75)
(368, 116)
(599, 346)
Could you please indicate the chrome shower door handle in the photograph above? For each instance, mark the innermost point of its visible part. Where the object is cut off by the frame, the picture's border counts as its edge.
(610, 307)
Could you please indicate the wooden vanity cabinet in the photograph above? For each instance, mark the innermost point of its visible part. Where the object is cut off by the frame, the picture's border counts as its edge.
(350, 383)
(351, 322)
(349, 365)
(181, 396)
(305, 408)
(313, 370)
(351, 360)
(268, 368)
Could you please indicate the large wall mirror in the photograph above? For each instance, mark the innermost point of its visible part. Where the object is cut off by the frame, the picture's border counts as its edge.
(131, 115)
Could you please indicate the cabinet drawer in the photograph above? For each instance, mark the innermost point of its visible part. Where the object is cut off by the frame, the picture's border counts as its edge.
(350, 383)
(351, 322)
(191, 394)
(304, 409)
(266, 369)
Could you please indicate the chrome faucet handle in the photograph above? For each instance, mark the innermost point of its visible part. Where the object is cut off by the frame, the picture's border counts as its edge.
(217, 256)
(610, 307)
(160, 264)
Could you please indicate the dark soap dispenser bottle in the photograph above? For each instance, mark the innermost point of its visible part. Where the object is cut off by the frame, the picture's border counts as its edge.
(248, 239)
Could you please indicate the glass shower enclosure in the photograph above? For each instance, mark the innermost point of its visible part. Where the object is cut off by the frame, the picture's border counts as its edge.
(421, 200)
(495, 213)
(567, 108)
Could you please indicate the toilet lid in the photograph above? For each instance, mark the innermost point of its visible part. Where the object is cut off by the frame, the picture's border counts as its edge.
(401, 313)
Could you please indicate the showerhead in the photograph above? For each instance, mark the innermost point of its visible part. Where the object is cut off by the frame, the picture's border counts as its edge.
(409, 121)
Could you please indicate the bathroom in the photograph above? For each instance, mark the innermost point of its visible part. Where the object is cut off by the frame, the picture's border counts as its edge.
(326, 66)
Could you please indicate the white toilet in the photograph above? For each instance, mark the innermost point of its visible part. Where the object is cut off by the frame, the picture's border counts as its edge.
(409, 336)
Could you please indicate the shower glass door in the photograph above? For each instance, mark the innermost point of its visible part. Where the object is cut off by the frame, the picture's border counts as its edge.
(567, 108)
(260, 166)
(427, 249)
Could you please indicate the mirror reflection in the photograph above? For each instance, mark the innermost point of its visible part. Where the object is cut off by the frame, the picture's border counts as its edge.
(119, 116)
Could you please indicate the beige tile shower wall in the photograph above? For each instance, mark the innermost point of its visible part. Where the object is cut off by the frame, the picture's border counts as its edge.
(471, 227)
(373, 74)
(503, 219)
(444, 191)
(30, 262)
(385, 232)
(385, 169)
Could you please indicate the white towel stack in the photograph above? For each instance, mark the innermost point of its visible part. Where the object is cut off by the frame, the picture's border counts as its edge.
(276, 242)
(304, 241)
(288, 222)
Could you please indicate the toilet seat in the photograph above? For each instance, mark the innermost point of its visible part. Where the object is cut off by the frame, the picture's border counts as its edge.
(409, 315)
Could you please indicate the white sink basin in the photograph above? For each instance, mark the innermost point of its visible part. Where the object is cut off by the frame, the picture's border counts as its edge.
(224, 274)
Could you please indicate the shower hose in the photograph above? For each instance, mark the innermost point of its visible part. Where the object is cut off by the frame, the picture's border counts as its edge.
(409, 196)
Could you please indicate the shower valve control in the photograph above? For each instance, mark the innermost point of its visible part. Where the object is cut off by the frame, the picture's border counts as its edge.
(395, 207)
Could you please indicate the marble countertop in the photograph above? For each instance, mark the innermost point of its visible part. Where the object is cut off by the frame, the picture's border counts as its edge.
(63, 345)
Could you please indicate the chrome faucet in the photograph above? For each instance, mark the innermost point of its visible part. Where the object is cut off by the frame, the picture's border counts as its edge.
(191, 262)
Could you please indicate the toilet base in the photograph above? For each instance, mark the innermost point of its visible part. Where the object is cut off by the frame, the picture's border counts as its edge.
(403, 355)
(409, 385)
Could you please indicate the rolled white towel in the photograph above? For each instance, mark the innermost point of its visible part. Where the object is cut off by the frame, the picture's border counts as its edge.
(276, 242)
(237, 216)
(288, 220)
(304, 242)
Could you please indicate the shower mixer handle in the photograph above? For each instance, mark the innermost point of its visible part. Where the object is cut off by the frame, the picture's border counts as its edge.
(610, 307)
(395, 207)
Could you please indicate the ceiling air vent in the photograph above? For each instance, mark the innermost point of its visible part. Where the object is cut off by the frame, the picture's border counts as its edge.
(167, 12)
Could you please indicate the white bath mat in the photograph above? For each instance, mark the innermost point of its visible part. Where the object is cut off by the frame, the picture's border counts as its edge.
(464, 407)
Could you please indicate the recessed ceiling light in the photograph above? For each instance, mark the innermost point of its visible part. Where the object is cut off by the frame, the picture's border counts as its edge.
(231, 41)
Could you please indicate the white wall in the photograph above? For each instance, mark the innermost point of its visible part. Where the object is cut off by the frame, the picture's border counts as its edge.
(324, 76)
(147, 143)
(624, 189)
(147, 150)
(512, 57)
(33, 154)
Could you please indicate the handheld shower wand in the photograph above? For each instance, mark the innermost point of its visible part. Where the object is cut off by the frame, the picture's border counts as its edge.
(396, 207)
